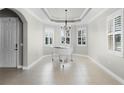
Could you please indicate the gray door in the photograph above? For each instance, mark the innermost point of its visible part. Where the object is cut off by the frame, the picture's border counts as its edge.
(8, 42)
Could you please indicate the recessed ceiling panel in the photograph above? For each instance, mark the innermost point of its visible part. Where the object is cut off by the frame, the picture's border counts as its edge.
(59, 13)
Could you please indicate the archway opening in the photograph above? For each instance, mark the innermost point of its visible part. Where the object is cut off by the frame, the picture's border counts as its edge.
(7, 15)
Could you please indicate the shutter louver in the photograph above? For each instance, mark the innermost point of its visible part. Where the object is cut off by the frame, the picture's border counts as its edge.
(117, 22)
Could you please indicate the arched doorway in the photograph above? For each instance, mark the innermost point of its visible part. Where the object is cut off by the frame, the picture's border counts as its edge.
(12, 39)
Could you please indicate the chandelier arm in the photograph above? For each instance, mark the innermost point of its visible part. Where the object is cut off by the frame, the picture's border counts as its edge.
(66, 27)
(66, 17)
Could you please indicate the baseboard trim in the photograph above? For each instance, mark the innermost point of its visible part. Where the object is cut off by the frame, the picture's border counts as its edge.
(80, 55)
(25, 68)
(93, 60)
(19, 66)
(35, 62)
(107, 71)
(104, 68)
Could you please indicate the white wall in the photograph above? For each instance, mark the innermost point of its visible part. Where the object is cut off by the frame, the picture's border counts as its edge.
(35, 41)
(97, 42)
(57, 34)
(33, 44)
(97, 45)
(47, 50)
(82, 50)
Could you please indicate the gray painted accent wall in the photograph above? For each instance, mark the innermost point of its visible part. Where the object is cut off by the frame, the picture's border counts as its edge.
(97, 45)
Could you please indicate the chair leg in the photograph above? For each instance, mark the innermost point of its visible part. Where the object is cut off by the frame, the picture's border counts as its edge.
(71, 58)
(63, 65)
(59, 59)
(61, 62)
(52, 59)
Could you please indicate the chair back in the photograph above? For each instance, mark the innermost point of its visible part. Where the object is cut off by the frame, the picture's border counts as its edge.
(64, 51)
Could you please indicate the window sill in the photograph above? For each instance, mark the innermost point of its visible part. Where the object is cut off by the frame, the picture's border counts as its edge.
(119, 54)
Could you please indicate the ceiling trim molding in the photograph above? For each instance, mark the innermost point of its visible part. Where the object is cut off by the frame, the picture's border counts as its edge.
(71, 21)
(34, 15)
(99, 13)
(86, 11)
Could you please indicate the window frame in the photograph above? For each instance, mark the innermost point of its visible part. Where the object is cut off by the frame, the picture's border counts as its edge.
(113, 32)
(65, 36)
(50, 31)
(85, 30)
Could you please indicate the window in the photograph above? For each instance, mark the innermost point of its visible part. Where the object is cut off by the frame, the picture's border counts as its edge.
(81, 36)
(115, 33)
(110, 41)
(117, 42)
(48, 36)
(65, 37)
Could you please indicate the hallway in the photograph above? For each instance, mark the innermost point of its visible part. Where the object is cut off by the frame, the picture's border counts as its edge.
(80, 72)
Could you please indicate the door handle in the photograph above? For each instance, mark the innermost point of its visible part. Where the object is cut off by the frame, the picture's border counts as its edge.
(16, 49)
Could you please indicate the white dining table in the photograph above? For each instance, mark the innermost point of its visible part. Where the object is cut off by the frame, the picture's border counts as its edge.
(63, 54)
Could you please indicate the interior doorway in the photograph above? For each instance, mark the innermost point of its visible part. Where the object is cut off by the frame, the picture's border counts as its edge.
(11, 39)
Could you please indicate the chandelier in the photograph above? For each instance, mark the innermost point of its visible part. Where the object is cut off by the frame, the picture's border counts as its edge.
(66, 27)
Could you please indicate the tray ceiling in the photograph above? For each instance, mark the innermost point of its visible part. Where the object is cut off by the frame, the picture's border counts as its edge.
(58, 14)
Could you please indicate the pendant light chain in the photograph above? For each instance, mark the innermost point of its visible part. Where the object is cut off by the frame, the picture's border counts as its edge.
(66, 27)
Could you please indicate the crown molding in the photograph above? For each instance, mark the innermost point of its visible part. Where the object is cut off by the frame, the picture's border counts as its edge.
(86, 11)
(93, 17)
(101, 12)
